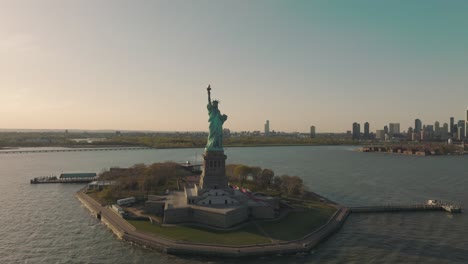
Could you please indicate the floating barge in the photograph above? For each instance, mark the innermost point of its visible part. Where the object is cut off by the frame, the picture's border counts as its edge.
(66, 178)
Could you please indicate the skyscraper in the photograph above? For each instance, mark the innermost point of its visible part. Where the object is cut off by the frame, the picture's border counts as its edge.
(312, 132)
(429, 131)
(394, 128)
(417, 126)
(267, 128)
(366, 130)
(445, 130)
(461, 129)
(460, 133)
(385, 129)
(437, 129)
(410, 134)
(356, 130)
(452, 126)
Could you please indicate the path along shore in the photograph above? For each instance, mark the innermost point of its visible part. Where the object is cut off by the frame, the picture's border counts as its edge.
(125, 231)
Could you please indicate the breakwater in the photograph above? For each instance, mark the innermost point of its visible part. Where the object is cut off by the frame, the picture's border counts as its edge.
(125, 231)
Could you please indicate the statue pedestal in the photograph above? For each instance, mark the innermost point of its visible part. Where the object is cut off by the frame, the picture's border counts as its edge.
(214, 171)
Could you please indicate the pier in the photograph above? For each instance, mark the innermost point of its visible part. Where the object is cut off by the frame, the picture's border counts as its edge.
(55, 180)
(452, 208)
(72, 150)
(67, 178)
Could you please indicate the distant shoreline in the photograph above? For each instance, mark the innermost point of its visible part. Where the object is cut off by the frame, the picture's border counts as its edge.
(171, 147)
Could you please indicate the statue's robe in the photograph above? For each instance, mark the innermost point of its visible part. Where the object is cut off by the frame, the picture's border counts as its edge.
(215, 136)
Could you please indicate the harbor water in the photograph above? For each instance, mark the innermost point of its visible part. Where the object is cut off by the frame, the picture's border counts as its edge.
(47, 224)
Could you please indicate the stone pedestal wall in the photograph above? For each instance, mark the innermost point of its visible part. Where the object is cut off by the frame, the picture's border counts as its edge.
(214, 171)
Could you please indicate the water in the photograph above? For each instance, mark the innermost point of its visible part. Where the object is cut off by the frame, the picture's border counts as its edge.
(47, 224)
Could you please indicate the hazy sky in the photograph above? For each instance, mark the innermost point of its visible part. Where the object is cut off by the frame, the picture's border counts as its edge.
(145, 65)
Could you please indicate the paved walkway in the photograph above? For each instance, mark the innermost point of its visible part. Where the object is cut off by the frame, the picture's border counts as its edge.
(127, 232)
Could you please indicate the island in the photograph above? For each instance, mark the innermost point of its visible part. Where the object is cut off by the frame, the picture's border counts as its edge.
(213, 208)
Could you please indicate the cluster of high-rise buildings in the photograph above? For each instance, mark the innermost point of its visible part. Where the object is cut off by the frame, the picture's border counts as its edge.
(420, 132)
(392, 130)
(356, 132)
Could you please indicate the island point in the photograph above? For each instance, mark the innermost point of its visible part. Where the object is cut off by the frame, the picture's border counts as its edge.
(213, 208)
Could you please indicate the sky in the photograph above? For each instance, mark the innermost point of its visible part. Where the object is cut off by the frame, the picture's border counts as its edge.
(145, 65)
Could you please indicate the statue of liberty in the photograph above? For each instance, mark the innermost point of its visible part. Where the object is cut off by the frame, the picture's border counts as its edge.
(216, 120)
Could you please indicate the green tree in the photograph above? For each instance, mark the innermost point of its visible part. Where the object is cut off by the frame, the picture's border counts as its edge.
(242, 171)
(265, 177)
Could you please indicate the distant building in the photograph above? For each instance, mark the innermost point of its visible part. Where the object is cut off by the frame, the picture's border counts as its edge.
(452, 126)
(385, 128)
(417, 126)
(445, 131)
(356, 130)
(461, 129)
(429, 132)
(380, 134)
(267, 128)
(312, 132)
(437, 129)
(366, 130)
(410, 133)
(387, 137)
(466, 124)
(394, 128)
(460, 133)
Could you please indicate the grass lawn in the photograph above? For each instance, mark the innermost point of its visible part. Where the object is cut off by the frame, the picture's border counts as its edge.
(247, 235)
(296, 225)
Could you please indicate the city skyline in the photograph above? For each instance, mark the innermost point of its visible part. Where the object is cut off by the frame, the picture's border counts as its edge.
(143, 67)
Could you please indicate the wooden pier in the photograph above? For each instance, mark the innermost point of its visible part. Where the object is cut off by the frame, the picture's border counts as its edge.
(72, 150)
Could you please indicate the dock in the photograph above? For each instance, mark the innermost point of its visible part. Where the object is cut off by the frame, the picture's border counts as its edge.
(66, 178)
(39, 180)
(452, 208)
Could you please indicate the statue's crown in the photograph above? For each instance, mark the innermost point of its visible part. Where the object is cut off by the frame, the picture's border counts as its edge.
(216, 101)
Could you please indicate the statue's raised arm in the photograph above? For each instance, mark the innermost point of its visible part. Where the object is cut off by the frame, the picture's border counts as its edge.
(209, 94)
